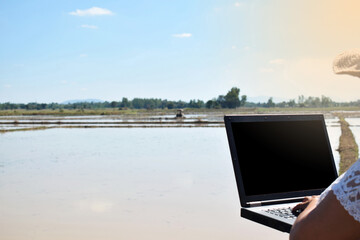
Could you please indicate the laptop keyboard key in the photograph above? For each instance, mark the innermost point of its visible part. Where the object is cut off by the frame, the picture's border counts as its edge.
(281, 212)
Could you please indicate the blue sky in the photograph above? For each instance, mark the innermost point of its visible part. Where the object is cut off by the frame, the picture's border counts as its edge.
(52, 51)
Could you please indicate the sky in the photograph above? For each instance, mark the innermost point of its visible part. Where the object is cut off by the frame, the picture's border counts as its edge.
(53, 51)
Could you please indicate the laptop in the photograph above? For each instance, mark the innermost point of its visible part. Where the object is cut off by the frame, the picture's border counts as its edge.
(278, 160)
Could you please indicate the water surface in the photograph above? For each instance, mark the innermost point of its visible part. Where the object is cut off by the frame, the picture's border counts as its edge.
(84, 184)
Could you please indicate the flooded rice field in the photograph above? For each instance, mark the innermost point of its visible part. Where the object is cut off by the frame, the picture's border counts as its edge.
(29, 122)
(123, 183)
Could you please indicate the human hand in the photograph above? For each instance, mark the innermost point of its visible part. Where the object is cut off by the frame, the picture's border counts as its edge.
(299, 208)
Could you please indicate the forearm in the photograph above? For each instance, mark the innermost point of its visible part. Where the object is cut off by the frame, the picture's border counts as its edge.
(300, 221)
(327, 220)
(306, 211)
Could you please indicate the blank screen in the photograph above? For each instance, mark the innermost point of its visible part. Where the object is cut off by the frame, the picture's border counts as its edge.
(278, 157)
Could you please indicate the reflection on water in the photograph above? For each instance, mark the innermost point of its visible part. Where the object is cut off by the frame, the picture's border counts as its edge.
(164, 183)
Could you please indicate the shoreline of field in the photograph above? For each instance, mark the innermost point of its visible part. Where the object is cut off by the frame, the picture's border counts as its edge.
(149, 112)
(26, 120)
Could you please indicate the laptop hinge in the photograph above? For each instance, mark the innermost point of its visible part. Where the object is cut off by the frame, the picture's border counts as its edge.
(255, 204)
(271, 202)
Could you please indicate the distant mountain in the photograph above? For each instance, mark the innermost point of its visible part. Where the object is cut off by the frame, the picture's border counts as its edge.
(82, 100)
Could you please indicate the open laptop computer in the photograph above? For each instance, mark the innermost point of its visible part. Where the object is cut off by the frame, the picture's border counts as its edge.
(278, 160)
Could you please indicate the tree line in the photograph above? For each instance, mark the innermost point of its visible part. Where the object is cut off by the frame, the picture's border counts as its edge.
(230, 100)
(303, 102)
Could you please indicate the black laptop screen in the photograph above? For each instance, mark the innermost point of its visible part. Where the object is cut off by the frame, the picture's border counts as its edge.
(283, 156)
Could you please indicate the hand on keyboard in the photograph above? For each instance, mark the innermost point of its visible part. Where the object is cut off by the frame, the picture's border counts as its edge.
(301, 206)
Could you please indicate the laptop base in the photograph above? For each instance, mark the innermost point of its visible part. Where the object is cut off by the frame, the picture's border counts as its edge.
(258, 215)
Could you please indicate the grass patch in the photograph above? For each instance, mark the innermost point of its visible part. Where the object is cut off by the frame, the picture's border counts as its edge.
(348, 148)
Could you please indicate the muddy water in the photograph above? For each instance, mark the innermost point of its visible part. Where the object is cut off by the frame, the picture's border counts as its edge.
(84, 184)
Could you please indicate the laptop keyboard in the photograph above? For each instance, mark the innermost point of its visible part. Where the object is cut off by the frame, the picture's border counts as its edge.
(281, 212)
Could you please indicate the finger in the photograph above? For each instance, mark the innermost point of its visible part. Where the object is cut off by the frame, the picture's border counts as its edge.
(299, 208)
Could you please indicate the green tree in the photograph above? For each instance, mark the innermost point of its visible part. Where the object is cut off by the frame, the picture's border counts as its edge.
(326, 101)
(243, 100)
(125, 103)
(232, 98)
(270, 103)
(221, 102)
(138, 103)
(301, 101)
(113, 104)
(170, 105)
(209, 104)
(292, 103)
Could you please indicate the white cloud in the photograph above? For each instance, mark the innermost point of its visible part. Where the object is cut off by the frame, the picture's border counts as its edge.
(277, 61)
(182, 35)
(83, 55)
(233, 47)
(94, 11)
(89, 26)
(237, 4)
(7, 86)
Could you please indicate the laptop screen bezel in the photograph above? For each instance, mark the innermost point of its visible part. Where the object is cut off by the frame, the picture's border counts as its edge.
(244, 199)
